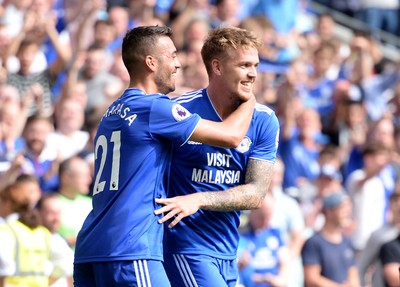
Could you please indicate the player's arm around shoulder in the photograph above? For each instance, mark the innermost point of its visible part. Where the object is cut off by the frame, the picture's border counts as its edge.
(242, 197)
(228, 133)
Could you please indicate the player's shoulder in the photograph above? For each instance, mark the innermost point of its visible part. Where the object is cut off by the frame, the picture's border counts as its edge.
(189, 97)
(136, 101)
(263, 109)
(263, 113)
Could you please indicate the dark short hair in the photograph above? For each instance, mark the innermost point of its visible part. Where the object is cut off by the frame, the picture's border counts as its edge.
(373, 148)
(27, 42)
(45, 197)
(138, 42)
(38, 117)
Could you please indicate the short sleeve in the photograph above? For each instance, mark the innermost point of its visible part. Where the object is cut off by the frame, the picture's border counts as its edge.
(309, 253)
(172, 121)
(390, 252)
(268, 130)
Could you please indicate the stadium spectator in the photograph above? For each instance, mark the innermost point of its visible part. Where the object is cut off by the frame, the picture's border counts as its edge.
(80, 17)
(183, 12)
(320, 85)
(102, 87)
(68, 138)
(118, 69)
(226, 13)
(283, 15)
(104, 34)
(13, 15)
(389, 256)
(193, 76)
(29, 266)
(350, 121)
(26, 45)
(363, 73)
(287, 216)
(49, 207)
(328, 256)
(41, 158)
(119, 17)
(267, 262)
(381, 133)
(300, 144)
(369, 265)
(15, 196)
(75, 179)
(368, 195)
(12, 120)
(328, 179)
(142, 13)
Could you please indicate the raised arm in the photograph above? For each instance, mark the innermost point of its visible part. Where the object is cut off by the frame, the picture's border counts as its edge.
(63, 51)
(29, 23)
(228, 133)
(242, 197)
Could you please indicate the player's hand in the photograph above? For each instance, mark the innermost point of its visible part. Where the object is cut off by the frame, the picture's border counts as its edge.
(177, 208)
(244, 97)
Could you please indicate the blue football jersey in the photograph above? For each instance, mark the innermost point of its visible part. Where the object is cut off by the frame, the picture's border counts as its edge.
(263, 246)
(132, 160)
(199, 167)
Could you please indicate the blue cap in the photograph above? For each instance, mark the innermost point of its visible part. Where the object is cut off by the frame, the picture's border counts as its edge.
(333, 200)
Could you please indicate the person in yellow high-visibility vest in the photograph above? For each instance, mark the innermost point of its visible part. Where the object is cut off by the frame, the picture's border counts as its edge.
(31, 247)
(26, 247)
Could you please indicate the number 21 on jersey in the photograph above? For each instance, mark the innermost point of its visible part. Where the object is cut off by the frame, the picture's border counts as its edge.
(103, 142)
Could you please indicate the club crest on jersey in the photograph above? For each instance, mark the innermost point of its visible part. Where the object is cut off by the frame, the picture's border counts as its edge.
(180, 113)
(244, 145)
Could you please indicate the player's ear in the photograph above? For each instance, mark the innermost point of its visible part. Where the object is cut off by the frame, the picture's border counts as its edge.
(216, 66)
(150, 62)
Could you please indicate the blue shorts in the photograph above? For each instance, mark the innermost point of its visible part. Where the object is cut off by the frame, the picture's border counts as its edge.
(200, 271)
(137, 273)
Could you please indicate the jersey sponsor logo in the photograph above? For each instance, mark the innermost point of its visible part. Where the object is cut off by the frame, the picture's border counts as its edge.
(216, 176)
(218, 159)
(180, 113)
(244, 145)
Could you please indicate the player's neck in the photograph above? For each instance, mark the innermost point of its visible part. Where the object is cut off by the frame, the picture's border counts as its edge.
(70, 193)
(146, 85)
(332, 233)
(224, 105)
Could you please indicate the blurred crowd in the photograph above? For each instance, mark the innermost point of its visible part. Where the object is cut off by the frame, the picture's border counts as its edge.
(338, 103)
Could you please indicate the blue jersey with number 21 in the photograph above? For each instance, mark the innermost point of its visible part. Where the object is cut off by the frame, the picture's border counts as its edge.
(132, 161)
